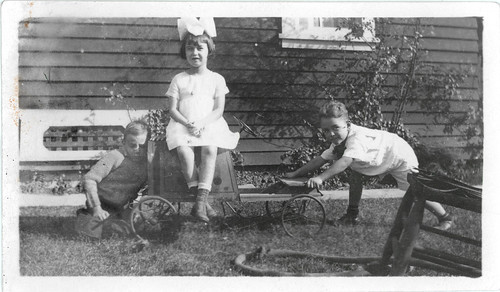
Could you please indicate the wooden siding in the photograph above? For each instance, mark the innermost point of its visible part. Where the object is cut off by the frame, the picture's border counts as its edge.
(77, 63)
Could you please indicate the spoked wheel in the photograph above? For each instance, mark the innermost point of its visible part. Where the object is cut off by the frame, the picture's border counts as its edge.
(303, 216)
(151, 216)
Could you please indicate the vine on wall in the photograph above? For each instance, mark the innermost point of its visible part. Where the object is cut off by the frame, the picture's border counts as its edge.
(395, 73)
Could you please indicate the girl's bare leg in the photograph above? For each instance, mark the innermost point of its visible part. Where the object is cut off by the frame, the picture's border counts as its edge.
(188, 166)
(207, 167)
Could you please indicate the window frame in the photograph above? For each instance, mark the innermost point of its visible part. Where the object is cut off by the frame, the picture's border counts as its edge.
(329, 38)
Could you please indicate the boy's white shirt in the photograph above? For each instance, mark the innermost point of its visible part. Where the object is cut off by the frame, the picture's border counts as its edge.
(375, 152)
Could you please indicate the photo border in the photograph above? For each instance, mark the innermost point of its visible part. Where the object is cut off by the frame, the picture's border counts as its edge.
(15, 11)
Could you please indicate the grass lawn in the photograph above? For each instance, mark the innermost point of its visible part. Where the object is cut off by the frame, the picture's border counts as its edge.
(49, 246)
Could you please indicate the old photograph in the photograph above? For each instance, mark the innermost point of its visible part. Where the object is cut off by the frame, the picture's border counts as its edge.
(259, 146)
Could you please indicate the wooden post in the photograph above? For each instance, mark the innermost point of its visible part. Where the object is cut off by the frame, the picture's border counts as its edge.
(404, 233)
(397, 227)
(408, 239)
(463, 269)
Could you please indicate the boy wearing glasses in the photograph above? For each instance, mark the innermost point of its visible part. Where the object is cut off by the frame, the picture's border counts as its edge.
(117, 178)
(366, 151)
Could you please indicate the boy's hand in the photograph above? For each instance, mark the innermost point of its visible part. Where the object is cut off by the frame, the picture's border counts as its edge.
(315, 182)
(290, 174)
(100, 213)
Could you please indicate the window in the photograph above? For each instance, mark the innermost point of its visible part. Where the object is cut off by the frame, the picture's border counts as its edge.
(77, 138)
(331, 33)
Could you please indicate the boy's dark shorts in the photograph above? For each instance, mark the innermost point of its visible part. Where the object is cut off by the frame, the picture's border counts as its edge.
(91, 226)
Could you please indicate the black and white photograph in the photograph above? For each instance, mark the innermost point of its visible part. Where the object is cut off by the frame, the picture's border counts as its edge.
(250, 146)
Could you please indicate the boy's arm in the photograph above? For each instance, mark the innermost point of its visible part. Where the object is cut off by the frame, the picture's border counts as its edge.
(336, 168)
(312, 165)
(95, 175)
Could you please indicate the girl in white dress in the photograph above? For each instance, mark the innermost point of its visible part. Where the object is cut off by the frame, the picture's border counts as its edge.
(196, 104)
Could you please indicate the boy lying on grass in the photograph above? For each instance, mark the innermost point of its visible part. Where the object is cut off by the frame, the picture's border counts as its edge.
(366, 151)
(116, 179)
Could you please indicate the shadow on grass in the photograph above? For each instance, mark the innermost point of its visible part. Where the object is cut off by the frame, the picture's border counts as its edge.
(60, 227)
(64, 228)
(236, 223)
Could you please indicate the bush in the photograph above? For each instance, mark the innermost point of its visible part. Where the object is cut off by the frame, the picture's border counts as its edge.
(58, 185)
(432, 87)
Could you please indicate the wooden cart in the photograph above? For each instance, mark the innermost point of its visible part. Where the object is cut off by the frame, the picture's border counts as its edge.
(299, 208)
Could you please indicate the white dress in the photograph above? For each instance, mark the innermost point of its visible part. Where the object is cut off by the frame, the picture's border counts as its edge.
(196, 96)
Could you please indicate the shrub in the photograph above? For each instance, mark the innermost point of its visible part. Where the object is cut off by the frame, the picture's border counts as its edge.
(431, 87)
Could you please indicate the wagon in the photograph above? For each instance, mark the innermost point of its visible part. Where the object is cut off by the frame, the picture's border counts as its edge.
(297, 207)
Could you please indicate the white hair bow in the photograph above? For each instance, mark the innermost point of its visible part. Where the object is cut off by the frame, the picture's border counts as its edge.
(196, 26)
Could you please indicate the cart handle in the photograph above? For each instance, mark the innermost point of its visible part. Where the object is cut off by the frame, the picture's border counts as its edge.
(298, 182)
(245, 128)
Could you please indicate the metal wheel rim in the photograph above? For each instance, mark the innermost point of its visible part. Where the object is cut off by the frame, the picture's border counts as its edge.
(138, 211)
(300, 209)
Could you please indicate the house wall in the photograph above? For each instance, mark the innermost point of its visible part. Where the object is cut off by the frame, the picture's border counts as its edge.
(68, 65)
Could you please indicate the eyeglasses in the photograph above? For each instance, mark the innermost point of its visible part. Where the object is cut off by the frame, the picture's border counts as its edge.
(333, 129)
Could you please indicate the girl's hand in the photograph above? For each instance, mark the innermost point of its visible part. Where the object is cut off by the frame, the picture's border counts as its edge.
(290, 174)
(196, 129)
(197, 125)
(315, 182)
(192, 129)
(196, 132)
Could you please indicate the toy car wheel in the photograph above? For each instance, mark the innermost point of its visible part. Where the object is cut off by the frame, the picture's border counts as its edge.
(303, 216)
(151, 215)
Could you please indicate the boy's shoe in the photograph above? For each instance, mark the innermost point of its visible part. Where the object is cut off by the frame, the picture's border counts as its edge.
(444, 224)
(348, 219)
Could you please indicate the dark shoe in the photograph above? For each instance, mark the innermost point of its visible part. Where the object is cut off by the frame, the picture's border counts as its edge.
(199, 210)
(210, 211)
(348, 219)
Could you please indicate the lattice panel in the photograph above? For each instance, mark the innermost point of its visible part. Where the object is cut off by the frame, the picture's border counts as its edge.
(83, 138)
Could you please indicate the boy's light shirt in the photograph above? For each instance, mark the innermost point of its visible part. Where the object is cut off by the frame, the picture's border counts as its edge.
(375, 152)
